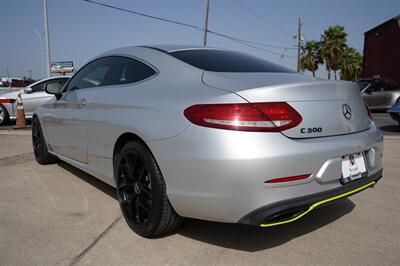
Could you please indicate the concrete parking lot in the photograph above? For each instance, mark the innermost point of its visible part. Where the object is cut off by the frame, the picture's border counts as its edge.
(58, 215)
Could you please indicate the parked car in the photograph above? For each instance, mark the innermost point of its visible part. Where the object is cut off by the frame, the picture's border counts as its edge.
(208, 133)
(32, 96)
(394, 111)
(379, 94)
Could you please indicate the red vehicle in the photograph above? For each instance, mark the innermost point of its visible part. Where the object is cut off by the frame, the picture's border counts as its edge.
(18, 83)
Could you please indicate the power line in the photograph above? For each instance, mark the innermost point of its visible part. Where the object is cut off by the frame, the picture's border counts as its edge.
(252, 42)
(199, 28)
(262, 17)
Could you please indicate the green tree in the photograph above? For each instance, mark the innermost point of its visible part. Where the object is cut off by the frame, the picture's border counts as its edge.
(351, 64)
(311, 56)
(333, 43)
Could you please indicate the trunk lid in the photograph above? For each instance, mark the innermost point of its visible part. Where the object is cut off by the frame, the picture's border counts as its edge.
(328, 108)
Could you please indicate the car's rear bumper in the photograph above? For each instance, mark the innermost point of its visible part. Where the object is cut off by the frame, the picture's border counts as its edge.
(220, 175)
(287, 211)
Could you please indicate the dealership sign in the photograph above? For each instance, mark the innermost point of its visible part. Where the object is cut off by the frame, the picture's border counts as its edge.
(62, 67)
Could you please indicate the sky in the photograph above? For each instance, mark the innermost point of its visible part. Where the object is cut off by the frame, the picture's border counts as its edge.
(79, 30)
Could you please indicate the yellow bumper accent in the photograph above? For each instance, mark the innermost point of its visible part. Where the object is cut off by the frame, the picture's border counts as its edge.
(371, 184)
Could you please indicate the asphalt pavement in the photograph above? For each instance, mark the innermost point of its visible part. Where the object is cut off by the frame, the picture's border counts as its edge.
(59, 215)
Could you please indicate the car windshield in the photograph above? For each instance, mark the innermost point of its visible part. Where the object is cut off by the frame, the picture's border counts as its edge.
(362, 84)
(227, 61)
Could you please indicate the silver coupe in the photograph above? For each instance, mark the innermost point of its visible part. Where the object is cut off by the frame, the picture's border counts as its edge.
(208, 133)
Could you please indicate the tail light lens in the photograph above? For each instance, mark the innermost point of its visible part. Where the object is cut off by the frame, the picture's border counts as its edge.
(264, 117)
(5, 100)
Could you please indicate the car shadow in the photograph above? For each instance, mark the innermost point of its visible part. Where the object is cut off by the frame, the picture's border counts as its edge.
(252, 239)
(91, 180)
(237, 236)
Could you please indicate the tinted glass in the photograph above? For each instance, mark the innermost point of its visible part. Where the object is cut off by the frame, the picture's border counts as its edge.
(38, 87)
(126, 70)
(91, 75)
(227, 61)
(362, 84)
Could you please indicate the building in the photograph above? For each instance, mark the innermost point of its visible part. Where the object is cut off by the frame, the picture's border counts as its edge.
(382, 51)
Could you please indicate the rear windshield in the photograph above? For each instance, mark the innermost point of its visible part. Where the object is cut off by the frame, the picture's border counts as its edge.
(227, 61)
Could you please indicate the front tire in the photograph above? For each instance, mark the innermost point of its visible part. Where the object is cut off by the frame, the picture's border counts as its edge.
(42, 155)
(4, 116)
(141, 192)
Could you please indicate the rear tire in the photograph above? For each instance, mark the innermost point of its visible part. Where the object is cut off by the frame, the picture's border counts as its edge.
(42, 155)
(4, 116)
(141, 192)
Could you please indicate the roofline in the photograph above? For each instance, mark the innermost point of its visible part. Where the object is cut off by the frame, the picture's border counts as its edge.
(183, 48)
(380, 25)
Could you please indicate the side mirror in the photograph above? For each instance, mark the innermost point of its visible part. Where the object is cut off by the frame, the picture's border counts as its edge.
(28, 90)
(54, 88)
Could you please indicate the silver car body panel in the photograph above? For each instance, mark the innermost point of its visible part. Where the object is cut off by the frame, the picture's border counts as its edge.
(319, 102)
(211, 174)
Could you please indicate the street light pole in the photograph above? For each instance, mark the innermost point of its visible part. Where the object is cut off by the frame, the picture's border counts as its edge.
(206, 23)
(46, 33)
(299, 41)
(41, 49)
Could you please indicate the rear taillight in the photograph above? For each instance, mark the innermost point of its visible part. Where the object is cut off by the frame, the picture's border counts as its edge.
(264, 117)
(5, 100)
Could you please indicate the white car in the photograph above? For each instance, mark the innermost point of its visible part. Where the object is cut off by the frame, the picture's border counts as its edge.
(32, 96)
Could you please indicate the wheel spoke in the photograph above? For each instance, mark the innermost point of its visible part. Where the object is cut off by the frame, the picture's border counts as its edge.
(137, 210)
(125, 172)
(141, 173)
(127, 200)
(143, 205)
(134, 188)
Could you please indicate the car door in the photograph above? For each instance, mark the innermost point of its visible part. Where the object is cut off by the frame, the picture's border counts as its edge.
(68, 117)
(38, 96)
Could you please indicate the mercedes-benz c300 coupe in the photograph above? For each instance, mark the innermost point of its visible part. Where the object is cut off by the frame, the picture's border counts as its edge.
(210, 134)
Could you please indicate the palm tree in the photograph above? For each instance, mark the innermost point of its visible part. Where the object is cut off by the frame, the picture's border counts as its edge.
(311, 57)
(350, 65)
(333, 42)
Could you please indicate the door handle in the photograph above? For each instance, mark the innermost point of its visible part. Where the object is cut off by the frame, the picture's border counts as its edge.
(82, 101)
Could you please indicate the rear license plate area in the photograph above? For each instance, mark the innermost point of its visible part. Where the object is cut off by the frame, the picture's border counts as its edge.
(353, 167)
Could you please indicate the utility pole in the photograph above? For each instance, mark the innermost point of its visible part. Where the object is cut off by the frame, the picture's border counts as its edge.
(299, 41)
(40, 36)
(46, 33)
(206, 23)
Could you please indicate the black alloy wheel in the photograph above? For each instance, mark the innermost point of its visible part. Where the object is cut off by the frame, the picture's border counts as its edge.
(40, 151)
(141, 192)
(134, 189)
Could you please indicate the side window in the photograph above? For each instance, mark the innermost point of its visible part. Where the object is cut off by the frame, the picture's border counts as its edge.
(127, 70)
(38, 87)
(91, 75)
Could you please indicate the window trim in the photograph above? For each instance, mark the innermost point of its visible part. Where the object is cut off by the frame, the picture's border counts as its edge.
(116, 85)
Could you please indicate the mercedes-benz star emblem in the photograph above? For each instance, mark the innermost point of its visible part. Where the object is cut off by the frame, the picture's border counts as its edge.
(346, 111)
